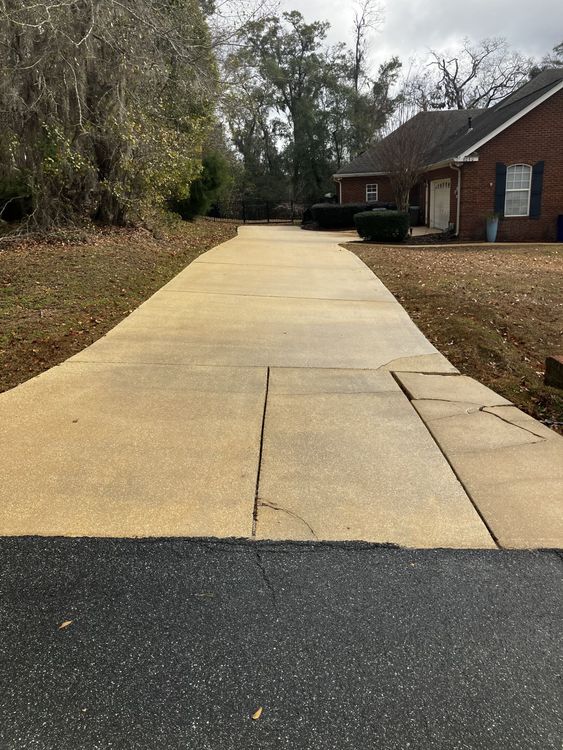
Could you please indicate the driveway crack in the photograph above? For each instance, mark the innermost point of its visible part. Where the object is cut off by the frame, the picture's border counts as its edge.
(260, 452)
(513, 424)
(460, 403)
(273, 506)
(265, 577)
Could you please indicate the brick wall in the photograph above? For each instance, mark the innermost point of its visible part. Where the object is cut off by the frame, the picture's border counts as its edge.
(354, 189)
(538, 136)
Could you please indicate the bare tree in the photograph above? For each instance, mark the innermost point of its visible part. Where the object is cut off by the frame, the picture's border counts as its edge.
(370, 101)
(404, 154)
(553, 60)
(368, 16)
(418, 90)
(479, 74)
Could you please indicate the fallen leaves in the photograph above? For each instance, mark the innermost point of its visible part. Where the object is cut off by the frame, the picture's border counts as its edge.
(494, 313)
(58, 319)
(257, 714)
(66, 624)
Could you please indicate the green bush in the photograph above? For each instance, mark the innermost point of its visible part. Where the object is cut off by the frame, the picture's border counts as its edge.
(336, 215)
(382, 226)
(203, 191)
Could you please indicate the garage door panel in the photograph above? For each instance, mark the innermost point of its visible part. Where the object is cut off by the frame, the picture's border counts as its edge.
(440, 203)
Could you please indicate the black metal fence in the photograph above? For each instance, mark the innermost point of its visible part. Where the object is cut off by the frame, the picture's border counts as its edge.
(255, 211)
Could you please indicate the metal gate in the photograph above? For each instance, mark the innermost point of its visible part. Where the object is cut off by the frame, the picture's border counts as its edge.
(257, 211)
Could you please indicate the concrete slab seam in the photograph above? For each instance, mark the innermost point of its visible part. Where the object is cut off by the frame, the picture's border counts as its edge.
(280, 296)
(452, 467)
(419, 372)
(260, 452)
(271, 265)
(124, 363)
(335, 393)
(73, 360)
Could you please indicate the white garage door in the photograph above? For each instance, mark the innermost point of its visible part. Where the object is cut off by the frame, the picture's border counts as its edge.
(440, 203)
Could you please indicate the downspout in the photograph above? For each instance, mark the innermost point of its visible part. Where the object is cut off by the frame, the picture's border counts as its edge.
(458, 208)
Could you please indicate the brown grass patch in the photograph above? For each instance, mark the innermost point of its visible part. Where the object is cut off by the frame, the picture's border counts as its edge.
(495, 312)
(58, 296)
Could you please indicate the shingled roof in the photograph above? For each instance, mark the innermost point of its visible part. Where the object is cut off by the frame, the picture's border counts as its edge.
(448, 132)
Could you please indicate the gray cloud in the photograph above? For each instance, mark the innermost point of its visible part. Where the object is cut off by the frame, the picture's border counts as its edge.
(411, 27)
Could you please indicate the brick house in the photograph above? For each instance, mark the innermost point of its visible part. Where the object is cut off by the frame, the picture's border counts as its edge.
(507, 159)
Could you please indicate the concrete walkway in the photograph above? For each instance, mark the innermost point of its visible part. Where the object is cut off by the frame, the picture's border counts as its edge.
(275, 389)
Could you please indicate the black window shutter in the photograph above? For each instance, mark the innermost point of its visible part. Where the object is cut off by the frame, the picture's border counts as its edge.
(500, 187)
(537, 185)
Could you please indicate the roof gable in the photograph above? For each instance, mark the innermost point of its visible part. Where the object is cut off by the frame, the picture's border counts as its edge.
(493, 121)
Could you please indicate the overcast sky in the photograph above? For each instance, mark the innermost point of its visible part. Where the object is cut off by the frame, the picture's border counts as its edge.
(413, 26)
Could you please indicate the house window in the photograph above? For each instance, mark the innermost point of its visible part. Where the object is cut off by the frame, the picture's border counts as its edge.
(371, 193)
(518, 184)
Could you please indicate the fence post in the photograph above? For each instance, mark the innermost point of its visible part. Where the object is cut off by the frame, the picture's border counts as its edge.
(267, 212)
(292, 215)
(243, 213)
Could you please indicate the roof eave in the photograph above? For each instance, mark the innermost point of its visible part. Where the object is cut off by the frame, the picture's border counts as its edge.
(338, 176)
(449, 161)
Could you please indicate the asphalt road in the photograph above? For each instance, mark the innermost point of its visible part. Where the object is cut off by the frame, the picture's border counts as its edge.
(175, 643)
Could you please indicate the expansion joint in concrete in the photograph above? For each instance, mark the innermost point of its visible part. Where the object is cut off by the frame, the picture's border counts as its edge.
(260, 451)
(347, 300)
(452, 467)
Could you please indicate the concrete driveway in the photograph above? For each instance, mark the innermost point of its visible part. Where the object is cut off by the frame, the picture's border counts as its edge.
(275, 389)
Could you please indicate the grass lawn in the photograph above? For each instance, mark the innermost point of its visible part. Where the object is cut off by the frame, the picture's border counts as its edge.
(495, 312)
(58, 296)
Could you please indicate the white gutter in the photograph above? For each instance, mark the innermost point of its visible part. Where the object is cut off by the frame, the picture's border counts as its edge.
(448, 162)
(337, 177)
(458, 208)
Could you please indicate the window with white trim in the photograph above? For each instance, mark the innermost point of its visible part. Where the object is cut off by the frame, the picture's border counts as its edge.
(518, 186)
(371, 192)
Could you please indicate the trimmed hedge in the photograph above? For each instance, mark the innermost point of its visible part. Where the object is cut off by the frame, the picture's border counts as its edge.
(382, 226)
(336, 215)
(341, 215)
